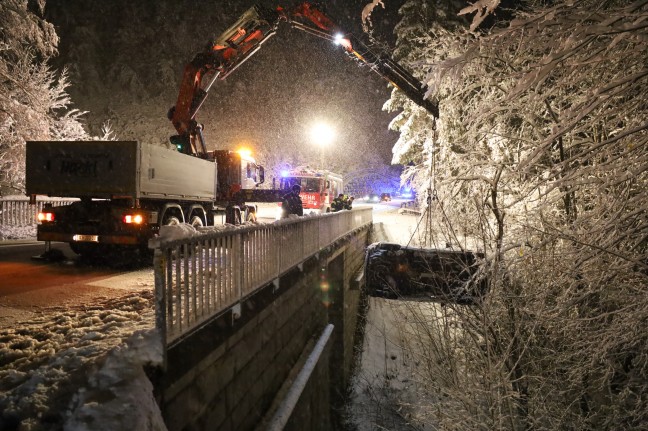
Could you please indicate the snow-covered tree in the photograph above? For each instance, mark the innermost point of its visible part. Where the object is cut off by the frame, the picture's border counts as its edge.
(540, 161)
(424, 35)
(33, 99)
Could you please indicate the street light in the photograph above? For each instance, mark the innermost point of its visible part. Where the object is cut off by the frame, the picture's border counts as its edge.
(322, 135)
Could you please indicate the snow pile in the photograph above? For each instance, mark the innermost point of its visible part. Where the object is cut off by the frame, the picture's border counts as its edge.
(177, 231)
(60, 367)
(120, 393)
(185, 231)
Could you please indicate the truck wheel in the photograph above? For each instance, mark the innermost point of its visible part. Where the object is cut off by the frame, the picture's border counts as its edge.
(197, 221)
(171, 221)
(233, 215)
(250, 213)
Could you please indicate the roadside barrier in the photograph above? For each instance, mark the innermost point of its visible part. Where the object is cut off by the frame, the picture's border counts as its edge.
(199, 277)
(18, 211)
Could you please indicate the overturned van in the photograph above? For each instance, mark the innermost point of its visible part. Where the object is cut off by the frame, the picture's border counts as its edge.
(436, 275)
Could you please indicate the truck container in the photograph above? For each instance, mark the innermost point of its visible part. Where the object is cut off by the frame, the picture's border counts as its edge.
(117, 169)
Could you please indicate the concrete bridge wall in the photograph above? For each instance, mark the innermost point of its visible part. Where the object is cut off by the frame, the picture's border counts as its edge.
(234, 372)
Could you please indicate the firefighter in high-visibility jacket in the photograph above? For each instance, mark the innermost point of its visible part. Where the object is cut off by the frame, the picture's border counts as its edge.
(338, 203)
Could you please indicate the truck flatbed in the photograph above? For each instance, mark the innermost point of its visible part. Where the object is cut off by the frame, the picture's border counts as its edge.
(117, 169)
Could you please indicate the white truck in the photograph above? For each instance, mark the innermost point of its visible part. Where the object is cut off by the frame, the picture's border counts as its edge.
(128, 189)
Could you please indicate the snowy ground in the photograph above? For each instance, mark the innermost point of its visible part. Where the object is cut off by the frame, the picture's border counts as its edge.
(384, 393)
(83, 368)
(17, 232)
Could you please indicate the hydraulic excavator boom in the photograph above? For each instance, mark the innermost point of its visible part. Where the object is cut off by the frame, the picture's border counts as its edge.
(240, 41)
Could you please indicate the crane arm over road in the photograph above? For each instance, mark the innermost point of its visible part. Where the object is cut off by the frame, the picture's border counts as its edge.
(245, 37)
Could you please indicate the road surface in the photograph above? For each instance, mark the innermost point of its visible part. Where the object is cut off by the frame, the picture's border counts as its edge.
(31, 287)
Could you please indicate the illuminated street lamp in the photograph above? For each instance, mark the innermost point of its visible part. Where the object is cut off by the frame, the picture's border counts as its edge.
(322, 135)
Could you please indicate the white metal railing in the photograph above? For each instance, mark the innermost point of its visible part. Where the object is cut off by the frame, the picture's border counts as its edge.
(18, 211)
(197, 278)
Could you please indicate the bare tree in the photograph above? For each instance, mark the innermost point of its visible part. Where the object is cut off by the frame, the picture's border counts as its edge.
(541, 162)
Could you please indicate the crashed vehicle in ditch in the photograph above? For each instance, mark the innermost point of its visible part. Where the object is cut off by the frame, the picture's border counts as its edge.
(436, 275)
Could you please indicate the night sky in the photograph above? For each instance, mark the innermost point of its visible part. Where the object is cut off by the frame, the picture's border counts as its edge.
(126, 59)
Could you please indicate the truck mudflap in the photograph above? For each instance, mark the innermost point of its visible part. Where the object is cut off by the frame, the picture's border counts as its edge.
(97, 239)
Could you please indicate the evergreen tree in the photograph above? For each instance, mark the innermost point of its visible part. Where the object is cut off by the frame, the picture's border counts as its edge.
(424, 35)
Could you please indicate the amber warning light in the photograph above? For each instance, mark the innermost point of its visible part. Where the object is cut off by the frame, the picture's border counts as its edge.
(45, 217)
(133, 219)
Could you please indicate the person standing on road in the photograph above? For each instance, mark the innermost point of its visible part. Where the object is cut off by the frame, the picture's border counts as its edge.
(292, 203)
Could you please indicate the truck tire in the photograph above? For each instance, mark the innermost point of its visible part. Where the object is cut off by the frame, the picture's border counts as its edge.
(197, 221)
(233, 215)
(171, 221)
(250, 213)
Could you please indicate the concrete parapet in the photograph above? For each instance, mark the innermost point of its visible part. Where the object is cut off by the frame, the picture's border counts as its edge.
(228, 374)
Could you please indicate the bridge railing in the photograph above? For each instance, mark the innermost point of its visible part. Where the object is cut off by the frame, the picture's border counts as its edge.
(18, 211)
(199, 277)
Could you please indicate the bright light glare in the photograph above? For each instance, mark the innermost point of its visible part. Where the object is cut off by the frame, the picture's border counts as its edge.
(285, 173)
(338, 38)
(245, 152)
(133, 219)
(322, 134)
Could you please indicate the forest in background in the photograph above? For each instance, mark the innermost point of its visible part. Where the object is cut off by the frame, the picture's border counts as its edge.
(125, 69)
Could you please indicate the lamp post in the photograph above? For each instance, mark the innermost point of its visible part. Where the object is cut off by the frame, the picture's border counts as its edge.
(322, 135)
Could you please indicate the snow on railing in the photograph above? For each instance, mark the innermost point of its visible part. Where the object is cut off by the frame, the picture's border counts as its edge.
(16, 211)
(198, 277)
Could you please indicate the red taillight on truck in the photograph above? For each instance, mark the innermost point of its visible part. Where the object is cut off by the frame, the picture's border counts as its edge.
(133, 219)
(45, 216)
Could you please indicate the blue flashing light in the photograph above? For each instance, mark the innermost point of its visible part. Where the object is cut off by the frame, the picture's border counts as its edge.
(284, 174)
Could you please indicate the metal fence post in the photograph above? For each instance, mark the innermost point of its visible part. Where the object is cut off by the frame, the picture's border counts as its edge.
(160, 301)
(237, 262)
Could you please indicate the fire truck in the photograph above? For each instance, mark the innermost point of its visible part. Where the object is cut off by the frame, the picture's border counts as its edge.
(318, 187)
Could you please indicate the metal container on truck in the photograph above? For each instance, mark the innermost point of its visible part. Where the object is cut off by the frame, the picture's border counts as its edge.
(127, 190)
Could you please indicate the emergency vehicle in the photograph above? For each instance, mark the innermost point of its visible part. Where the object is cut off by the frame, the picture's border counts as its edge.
(318, 187)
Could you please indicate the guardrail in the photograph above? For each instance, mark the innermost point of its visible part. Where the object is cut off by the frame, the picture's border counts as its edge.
(197, 278)
(18, 211)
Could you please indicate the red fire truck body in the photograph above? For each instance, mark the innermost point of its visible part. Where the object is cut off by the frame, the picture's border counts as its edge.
(318, 187)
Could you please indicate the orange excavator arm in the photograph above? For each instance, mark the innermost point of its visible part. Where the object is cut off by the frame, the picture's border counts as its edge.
(221, 57)
(379, 62)
(240, 41)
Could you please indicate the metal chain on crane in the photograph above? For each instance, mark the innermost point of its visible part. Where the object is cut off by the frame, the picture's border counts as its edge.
(431, 197)
(432, 193)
